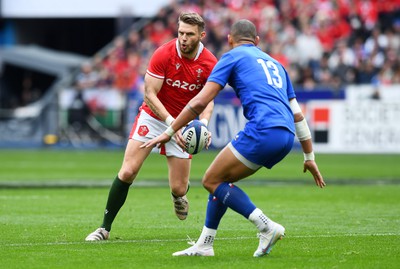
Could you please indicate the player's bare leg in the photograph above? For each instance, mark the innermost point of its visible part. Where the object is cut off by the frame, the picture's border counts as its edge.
(133, 160)
(225, 168)
(179, 170)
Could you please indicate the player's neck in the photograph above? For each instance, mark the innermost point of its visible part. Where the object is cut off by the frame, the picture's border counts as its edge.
(242, 43)
(192, 55)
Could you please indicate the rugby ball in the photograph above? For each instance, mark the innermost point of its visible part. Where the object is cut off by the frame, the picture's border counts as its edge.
(196, 136)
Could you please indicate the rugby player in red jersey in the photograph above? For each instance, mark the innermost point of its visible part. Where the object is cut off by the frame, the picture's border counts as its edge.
(177, 72)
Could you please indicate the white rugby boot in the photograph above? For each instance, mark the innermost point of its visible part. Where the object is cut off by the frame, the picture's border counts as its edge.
(98, 235)
(203, 246)
(196, 250)
(269, 238)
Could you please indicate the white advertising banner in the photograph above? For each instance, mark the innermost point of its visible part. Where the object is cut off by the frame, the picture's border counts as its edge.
(357, 93)
(366, 126)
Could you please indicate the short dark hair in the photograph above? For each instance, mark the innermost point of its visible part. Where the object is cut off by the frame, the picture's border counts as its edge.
(192, 18)
(243, 30)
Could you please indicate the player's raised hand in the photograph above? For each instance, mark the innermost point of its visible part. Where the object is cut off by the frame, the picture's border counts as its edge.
(313, 168)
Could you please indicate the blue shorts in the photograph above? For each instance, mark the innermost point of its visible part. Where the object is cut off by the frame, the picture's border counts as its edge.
(267, 147)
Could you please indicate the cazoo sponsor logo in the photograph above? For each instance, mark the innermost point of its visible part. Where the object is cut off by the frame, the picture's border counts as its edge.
(183, 85)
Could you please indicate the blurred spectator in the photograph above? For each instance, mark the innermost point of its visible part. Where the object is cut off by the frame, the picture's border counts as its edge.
(341, 56)
(320, 42)
(287, 37)
(114, 65)
(159, 33)
(330, 28)
(308, 47)
(359, 52)
(105, 80)
(276, 53)
(396, 73)
(366, 72)
(307, 80)
(385, 76)
(87, 78)
(368, 11)
(323, 74)
(133, 41)
(126, 76)
(393, 38)
(118, 48)
(355, 21)
(376, 41)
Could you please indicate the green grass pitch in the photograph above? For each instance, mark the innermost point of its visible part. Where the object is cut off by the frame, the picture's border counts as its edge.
(50, 200)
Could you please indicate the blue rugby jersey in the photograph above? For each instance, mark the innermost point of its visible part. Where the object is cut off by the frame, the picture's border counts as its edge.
(260, 82)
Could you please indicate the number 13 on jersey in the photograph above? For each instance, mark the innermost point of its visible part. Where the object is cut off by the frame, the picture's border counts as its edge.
(272, 72)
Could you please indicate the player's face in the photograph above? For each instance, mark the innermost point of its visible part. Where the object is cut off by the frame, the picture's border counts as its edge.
(189, 38)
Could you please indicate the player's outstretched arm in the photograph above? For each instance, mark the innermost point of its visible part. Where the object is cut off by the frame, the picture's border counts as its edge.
(304, 135)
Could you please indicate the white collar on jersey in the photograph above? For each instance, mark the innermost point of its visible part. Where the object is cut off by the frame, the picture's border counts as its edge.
(201, 47)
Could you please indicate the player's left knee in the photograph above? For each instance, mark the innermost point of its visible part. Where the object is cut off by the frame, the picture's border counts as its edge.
(209, 185)
(179, 191)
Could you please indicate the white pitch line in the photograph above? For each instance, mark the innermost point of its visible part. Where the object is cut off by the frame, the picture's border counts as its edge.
(180, 240)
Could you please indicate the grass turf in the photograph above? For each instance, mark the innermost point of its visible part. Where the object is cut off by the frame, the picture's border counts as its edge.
(342, 226)
(100, 167)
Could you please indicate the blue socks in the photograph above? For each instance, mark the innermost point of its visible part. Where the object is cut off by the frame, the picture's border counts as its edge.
(226, 195)
(215, 212)
(230, 196)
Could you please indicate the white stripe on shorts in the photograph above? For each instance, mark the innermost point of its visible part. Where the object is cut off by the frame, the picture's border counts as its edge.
(242, 159)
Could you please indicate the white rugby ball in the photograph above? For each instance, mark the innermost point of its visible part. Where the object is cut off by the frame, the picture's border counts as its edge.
(196, 136)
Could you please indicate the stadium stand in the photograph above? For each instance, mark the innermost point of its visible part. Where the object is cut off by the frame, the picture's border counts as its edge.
(324, 45)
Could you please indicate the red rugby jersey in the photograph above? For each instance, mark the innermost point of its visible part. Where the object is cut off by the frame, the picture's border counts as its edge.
(183, 78)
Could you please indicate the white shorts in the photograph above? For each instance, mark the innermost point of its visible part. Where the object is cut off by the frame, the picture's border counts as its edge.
(146, 127)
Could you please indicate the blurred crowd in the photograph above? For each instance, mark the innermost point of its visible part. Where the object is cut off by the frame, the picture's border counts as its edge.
(323, 44)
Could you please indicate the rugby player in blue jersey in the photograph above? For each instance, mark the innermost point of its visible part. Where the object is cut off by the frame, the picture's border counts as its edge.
(274, 117)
